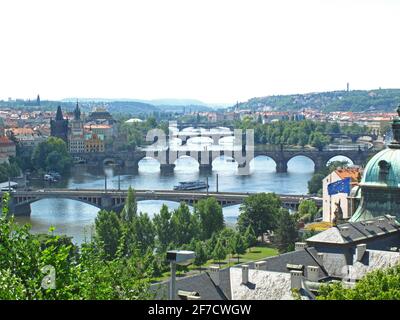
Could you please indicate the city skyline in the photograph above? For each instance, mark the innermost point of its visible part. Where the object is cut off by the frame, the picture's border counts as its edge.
(213, 52)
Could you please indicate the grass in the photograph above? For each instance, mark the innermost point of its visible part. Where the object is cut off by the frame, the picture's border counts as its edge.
(256, 253)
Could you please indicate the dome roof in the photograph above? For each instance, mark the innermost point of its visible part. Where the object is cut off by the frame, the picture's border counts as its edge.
(383, 169)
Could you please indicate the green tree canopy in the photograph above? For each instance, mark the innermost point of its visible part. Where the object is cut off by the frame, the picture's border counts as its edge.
(210, 216)
(286, 232)
(52, 154)
(260, 211)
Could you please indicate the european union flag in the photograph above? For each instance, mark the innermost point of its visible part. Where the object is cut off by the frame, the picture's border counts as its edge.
(341, 186)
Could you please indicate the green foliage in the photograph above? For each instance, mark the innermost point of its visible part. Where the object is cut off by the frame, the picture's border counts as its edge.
(210, 216)
(9, 170)
(237, 245)
(286, 232)
(354, 100)
(163, 228)
(185, 225)
(376, 285)
(307, 210)
(219, 252)
(24, 259)
(250, 237)
(260, 211)
(108, 232)
(129, 212)
(201, 254)
(52, 154)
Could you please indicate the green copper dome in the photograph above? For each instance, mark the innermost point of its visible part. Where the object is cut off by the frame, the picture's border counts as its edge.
(383, 169)
(380, 184)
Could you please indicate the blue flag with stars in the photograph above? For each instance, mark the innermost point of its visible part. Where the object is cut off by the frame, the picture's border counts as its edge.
(341, 186)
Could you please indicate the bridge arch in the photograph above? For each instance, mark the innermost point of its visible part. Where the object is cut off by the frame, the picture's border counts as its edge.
(186, 162)
(263, 163)
(149, 164)
(301, 163)
(109, 161)
(340, 157)
(224, 163)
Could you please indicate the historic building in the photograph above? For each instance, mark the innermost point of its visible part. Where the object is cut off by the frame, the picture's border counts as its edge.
(7, 146)
(76, 136)
(94, 142)
(342, 202)
(59, 126)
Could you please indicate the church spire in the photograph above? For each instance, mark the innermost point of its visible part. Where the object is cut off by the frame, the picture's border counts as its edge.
(395, 144)
(77, 111)
(59, 115)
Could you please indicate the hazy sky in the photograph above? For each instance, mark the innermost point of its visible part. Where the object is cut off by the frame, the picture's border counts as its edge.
(212, 50)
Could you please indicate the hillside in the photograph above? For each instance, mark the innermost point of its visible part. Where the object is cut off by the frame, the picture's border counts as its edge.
(356, 101)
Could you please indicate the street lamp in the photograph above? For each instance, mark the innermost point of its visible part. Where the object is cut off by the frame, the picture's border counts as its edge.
(174, 257)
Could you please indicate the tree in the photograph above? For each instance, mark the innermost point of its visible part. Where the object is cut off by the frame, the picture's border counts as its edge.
(259, 211)
(144, 232)
(163, 228)
(108, 232)
(210, 216)
(219, 253)
(129, 212)
(84, 276)
(315, 184)
(52, 154)
(237, 245)
(201, 254)
(250, 238)
(307, 210)
(376, 285)
(185, 225)
(286, 232)
(319, 140)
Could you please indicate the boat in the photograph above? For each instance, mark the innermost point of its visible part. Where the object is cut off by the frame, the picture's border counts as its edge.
(191, 185)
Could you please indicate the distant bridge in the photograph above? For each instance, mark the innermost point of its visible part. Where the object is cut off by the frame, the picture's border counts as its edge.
(115, 199)
(281, 157)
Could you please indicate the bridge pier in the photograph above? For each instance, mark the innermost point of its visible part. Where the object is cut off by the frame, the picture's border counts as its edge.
(281, 166)
(132, 165)
(167, 169)
(205, 168)
(20, 210)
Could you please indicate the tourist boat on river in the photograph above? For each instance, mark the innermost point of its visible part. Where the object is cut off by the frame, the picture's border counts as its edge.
(191, 185)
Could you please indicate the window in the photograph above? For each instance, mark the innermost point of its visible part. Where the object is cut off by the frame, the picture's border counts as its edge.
(384, 167)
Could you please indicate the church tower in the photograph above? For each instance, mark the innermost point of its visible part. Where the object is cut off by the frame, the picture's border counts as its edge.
(76, 143)
(59, 126)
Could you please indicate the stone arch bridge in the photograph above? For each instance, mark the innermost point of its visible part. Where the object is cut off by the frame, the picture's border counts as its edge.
(167, 157)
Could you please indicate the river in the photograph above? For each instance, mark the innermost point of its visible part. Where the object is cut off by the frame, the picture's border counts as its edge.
(76, 219)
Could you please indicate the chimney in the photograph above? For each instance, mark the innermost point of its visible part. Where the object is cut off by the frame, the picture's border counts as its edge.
(214, 274)
(300, 246)
(313, 273)
(320, 258)
(295, 279)
(260, 265)
(245, 274)
(381, 222)
(345, 231)
(360, 250)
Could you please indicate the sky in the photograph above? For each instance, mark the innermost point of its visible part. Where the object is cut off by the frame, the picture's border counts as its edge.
(217, 51)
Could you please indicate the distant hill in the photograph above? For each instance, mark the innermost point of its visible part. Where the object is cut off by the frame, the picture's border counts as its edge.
(356, 100)
(133, 106)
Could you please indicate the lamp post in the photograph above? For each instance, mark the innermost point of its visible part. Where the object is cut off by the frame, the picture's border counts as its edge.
(174, 257)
